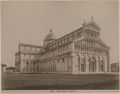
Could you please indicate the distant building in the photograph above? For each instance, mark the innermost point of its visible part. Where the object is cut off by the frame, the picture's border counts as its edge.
(10, 69)
(3, 67)
(81, 51)
(115, 67)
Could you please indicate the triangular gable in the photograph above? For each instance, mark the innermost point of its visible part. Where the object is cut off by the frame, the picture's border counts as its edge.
(92, 25)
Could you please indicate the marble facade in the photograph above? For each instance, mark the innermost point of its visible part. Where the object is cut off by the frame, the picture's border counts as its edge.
(81, 51)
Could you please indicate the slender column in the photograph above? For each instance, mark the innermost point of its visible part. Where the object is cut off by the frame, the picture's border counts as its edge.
(80, 61)
(31, 66)
(79, 64)
(62, 67)
(45, 67)
(59, 65)
(75, 63)
(65, 63)
(108, 64)
(72, 47)
(55, 65)
(48, 67)
(51, 66)
(71, 64)
(34, 64)
(40, 66)
(22, 65)
(100, 65)
(105, 64)
(97, 64)
(28, 66)
(87, 64)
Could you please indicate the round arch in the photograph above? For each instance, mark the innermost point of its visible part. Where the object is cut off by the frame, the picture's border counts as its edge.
(82, 63)
(92, 64)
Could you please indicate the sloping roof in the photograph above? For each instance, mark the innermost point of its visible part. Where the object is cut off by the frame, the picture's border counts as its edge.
(23, 44)
(102, 42)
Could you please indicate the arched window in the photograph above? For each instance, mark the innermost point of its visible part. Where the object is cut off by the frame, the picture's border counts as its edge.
(79, 47)
(78, 35)
(34, 63)
(27, 66)
(78, 64)
(57, 60)
(75, 46)
(92, 64)
(83, 65)
(63, 60)
(85, 48)
(27, 62)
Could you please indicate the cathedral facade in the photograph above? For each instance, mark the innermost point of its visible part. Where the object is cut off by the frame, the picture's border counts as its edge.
(81, 51)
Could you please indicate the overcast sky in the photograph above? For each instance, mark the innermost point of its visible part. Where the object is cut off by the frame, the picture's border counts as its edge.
(29, 22)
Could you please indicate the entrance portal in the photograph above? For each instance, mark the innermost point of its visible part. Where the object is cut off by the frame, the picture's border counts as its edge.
(92, 64)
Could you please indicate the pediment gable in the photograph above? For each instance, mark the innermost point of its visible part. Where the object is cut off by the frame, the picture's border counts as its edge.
(92, 25)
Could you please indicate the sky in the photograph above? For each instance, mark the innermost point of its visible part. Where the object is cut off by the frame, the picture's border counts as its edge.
(30, 21)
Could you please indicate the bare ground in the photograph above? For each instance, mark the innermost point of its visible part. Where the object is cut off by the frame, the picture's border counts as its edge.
(15, 81)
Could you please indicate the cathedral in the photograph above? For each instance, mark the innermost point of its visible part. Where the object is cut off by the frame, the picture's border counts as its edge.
(78, 52)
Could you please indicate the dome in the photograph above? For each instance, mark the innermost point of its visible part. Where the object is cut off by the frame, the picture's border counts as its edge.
(50, 36)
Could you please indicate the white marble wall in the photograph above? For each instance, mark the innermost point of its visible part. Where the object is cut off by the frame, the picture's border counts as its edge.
(98, 62)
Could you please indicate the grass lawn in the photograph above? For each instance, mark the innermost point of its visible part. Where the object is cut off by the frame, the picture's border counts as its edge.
(16, 81)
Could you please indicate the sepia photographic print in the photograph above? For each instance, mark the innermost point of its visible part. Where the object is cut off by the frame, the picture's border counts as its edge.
(60, 46)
